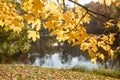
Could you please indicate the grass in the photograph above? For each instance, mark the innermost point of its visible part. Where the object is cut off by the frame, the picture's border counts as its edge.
(108, 72)
(19, 72)
(101, 71)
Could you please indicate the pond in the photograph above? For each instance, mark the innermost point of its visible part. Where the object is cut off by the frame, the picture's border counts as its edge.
(55, 61)
(47, 52)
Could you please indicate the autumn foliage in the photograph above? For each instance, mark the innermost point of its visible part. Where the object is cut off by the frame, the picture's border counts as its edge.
(67, 24)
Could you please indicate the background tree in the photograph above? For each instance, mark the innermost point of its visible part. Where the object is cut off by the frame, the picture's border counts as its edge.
(13, 36)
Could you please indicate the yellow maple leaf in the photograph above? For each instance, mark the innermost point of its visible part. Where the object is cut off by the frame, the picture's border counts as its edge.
(91, 53)
(84, 46)
(112, 38)
(107, 47)
(1, 23)
(55, 32)
(111, 53)
(94, 60)
(109, 24)
(34, 35)
(94, 47)
(17, 29)
(100, 55)
(101, 1)
(61, 36)
(105, 38)
(6, 28)
(114, 1)
(49, 25)
(118, 4)
(78, 42)
(37, 7)
(68, 18)
(43, 1)
(118, 24)
(101, 44)
(72, 36)
(87, 18)
(52, 6)
(37, 28)
(108, 2)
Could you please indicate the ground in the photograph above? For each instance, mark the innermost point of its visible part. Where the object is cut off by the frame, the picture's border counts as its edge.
(22, 72)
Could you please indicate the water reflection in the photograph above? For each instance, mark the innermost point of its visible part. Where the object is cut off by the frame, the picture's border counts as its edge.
(47, 52)
(55, 61)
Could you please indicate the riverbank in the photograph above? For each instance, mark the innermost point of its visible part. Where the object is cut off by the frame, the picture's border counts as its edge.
(20, 72)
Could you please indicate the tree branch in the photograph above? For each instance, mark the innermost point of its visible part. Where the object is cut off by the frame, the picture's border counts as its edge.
(81, 18)
(91, 10)
(78, 22)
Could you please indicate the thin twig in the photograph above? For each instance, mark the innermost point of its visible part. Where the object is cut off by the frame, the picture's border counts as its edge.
(78, 22)
(81, 18)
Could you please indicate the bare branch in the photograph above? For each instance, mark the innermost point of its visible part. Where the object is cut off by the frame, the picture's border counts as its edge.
(81, 18)
(78, 22)
(91, 10)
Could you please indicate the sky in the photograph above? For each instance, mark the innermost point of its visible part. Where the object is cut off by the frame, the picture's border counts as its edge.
(80, 1)
(86, 1)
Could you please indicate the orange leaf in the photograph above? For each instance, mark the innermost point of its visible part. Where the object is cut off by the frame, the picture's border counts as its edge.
(49, 25)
